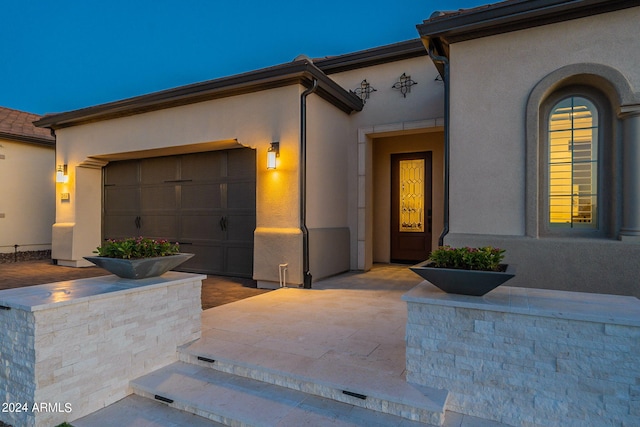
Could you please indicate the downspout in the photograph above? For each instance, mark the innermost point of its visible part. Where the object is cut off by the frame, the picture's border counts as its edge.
(303, 184)
(445, 62)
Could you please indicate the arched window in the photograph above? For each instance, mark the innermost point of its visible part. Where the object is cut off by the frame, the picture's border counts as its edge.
(574, 154)
(572, 169)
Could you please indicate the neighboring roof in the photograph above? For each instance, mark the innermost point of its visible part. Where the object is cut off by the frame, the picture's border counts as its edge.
(300, 71)
(445, 28)
(18, 126)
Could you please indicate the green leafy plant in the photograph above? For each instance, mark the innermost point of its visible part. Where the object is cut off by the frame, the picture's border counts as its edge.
(486, 258)
(138, 247)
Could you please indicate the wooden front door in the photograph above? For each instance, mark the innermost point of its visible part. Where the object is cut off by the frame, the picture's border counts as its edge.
(205, 201)
(411, 209)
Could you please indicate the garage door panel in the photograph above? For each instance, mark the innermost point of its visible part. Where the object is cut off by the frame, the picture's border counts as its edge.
(121, 199)
(240, 227)
(199, 227)
(241, 195)
(201, 196)
(120, 226)
(158, 199)
(206, 258)
(158, 170)
(121, 173)
(239, 260)
(241, 163)
(159, 226)
(203, 166)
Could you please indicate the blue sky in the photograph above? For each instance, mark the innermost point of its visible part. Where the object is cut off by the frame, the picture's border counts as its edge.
(61, 55)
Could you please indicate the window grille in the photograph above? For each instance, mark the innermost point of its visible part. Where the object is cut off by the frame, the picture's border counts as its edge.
(573, 164)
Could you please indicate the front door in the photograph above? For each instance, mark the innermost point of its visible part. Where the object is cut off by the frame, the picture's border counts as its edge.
(410, 207)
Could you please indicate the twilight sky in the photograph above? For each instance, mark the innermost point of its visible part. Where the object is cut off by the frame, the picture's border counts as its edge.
(61, 55)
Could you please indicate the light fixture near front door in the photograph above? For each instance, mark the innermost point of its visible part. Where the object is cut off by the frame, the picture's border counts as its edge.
(272, 154)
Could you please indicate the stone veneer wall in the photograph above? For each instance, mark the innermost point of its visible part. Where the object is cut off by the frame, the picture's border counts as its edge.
(17, 359)
(529, 357)
(79, 356)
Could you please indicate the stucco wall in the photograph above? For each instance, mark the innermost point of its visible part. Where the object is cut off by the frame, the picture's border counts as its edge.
(387, 105)
(385, 113)
(495, 154)
(254, 120)
(491, 79)
(27, 208)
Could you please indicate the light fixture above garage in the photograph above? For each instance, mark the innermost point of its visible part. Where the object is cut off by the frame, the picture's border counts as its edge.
(61, 174)
(272, 153)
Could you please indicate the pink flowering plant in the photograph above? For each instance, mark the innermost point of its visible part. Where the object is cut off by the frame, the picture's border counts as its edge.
(137, 247)
(486, 258)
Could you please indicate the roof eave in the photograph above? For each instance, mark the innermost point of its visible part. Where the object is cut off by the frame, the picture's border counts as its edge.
(48, 142)
(511, 16)
(298, 72)
(370, 57)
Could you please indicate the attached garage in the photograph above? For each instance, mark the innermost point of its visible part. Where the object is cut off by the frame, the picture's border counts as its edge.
(205, 201)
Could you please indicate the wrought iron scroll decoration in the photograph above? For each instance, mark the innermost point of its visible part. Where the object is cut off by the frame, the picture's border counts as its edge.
(404, 84)
(364, 91)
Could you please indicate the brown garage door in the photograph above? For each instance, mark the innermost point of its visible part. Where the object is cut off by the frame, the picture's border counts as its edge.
(205, 201)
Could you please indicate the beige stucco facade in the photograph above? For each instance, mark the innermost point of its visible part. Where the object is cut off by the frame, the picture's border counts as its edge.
(252, 120)
(499, 84)
(339, 207)
(491, 79)
(27, 210)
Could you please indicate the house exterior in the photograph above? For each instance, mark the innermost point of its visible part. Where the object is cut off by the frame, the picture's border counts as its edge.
(190, 164)
(515, 124)
(544, 137)
(27, 207)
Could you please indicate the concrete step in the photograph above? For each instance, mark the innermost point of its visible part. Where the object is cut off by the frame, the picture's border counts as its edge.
(341, 382)
(137, 411)
(239, 401)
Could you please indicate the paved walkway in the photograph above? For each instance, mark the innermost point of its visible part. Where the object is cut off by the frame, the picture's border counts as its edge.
(216, 290)
(355, 319)
(345, 326)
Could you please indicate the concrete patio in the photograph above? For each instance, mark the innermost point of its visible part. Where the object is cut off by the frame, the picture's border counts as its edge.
(293, 357)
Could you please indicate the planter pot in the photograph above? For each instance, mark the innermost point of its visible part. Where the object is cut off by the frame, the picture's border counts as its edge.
(464, 282)
(139, 268)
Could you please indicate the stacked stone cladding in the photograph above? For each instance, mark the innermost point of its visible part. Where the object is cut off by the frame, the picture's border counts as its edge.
(79, 357)
(527, 370)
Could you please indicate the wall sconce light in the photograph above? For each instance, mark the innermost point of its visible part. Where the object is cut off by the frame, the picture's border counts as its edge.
(61, 174)
(272, 153)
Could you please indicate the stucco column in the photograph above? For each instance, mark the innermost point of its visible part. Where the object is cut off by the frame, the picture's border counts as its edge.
(630, 116)
(77, 231)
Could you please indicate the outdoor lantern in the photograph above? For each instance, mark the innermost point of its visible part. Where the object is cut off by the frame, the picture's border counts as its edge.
(61, 174)
(272, 153)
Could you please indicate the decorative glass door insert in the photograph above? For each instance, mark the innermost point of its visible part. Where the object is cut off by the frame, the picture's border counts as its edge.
(412, 195)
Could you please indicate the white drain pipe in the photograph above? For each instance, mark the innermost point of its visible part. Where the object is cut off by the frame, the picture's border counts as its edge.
(282, 272)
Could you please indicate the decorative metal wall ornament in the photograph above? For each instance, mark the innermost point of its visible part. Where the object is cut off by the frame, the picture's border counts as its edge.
(404, 84)
(364, 90)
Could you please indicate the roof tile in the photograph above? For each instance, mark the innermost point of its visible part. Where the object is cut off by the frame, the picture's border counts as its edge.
(20, 124)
